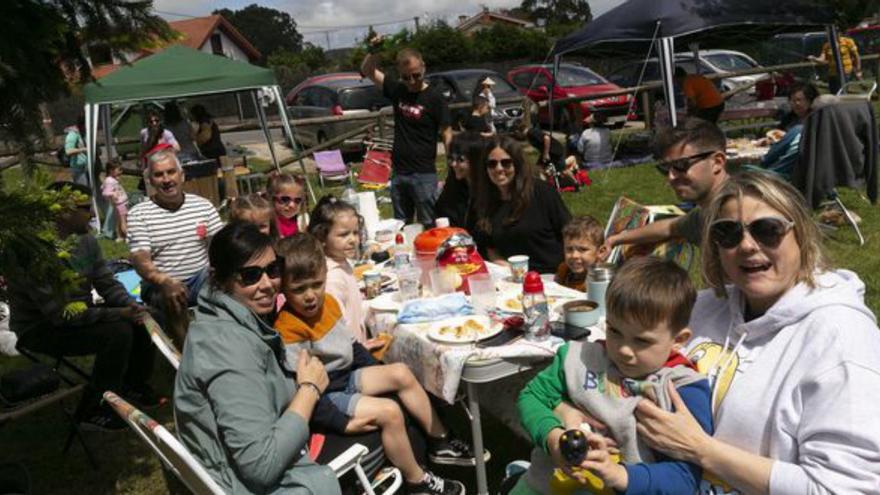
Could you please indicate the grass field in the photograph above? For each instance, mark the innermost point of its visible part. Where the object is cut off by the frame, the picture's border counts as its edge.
(128, 467)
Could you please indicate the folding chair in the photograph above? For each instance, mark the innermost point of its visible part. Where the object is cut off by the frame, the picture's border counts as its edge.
(375, 171)
(162, 341)
(177, 459)
(331, 166)
(839, 147)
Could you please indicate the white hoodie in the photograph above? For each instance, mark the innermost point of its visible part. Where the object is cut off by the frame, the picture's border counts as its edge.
(802, 386)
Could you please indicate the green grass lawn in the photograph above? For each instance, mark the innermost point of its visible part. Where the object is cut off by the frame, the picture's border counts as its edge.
(128, 467)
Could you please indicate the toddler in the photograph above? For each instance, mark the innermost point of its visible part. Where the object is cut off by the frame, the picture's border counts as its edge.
(254, 209)
(115, 194)
(584, 242)
(288, 193)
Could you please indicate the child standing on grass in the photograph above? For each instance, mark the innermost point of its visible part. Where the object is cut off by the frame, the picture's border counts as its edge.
(583, 240)
(288, 193)
(115, 195)
(649, 303)
(254, 209)
(312, 320)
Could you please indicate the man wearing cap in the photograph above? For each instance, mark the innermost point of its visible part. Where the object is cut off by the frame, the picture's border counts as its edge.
(168, 238)
(420, 114)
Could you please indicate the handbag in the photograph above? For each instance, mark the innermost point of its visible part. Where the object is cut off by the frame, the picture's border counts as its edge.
(28, 383)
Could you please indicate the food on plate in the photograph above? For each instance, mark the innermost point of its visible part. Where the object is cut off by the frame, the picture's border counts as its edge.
(468, 329)
(513, 304)
(775, 135)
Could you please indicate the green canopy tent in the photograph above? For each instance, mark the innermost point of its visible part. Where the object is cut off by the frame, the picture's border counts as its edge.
(177, 72)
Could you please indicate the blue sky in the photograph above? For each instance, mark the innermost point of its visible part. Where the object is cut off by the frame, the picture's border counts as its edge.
(341, 21)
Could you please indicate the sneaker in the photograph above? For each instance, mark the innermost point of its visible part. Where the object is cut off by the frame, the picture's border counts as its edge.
(432, 484)
(103, 420)
(144, 397)
(453, 451)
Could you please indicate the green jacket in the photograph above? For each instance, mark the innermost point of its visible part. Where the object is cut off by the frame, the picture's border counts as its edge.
(230, 399)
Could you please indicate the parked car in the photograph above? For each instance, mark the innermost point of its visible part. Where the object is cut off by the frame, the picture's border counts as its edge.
(710, 62)
(534, 81)
(344, 93)
(458, 86)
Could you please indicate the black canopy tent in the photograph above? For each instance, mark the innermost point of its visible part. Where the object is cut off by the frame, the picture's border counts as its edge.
(637, 26)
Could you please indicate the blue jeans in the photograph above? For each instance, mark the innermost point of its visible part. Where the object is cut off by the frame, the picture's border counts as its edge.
(414, 194)
(80, 175)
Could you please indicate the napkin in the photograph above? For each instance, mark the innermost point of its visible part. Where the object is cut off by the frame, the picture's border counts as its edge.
(435, 308)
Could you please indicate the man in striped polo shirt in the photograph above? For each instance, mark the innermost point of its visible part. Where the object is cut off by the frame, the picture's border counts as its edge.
(168, 238)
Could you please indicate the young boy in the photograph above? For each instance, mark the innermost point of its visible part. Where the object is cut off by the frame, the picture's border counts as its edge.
(583, 240)
(649, 302)
(351, 404)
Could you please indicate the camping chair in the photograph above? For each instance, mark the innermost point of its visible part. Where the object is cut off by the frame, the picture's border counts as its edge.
(375, 171)
(177, 459)
(162, 341)
(839, 147)
(331, 166)
(857, 90)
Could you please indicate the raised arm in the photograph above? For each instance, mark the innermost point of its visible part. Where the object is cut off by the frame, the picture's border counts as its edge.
(370, 69)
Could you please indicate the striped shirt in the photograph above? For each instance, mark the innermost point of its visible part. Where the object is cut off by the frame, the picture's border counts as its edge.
(849, 51)
(172, 237)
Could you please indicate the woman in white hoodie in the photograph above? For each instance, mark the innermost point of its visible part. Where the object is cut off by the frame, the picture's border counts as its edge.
(792, 352)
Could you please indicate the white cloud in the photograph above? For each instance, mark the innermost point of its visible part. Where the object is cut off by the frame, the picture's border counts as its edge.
(315, 15)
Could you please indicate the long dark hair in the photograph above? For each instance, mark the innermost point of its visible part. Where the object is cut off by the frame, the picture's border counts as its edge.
(231, 248)
(488, 197)
(154, 134)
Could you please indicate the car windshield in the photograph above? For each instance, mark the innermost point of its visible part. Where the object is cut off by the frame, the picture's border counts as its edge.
(361, 98)
(468, 82)
(577, 76)
(729, 61)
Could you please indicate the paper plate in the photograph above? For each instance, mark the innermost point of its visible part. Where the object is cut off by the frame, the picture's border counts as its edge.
(464, 330)
(387, 301)
(509, 301)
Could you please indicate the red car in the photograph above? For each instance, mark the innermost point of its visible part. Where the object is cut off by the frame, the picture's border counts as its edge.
(534, 81)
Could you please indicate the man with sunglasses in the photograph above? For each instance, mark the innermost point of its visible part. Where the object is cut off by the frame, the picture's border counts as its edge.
(112, 332)
(168, 238)
(420, 114)
(692, 159)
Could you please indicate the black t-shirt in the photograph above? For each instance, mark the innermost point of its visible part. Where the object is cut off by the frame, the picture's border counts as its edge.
(538, 233)
(476, 123)
(454, 201)
(557, 151)
(418, 119)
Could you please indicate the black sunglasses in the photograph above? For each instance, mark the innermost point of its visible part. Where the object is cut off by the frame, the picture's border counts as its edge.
(250, 275)
(682, 165)
(416, 76)
(767, 231)
(456, 158)
(504, 162)
(286, 200)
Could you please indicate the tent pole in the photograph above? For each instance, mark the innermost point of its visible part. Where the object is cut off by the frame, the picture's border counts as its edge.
(285, 123)
(91, 152)
(667, 70)
(831, 31)
(108, 132)
(263, 125)
(551, 90)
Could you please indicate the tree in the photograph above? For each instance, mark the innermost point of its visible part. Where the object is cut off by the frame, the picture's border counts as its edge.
(504, 42)
(848, 13)
(292, 68)
(269, 30)
(42, 53)
(441, 45)
(557, 13)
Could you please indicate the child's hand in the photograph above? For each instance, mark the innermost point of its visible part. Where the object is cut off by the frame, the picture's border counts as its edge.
(600, 462)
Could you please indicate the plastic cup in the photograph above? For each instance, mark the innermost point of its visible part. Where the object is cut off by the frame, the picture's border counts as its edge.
(519, 265)
(482, 293)
(441, 283)
(408, 280)
(409, 234)
(372, 283)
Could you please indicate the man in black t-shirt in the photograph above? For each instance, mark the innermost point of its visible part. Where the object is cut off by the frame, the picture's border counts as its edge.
(551, 150)
(420, 114)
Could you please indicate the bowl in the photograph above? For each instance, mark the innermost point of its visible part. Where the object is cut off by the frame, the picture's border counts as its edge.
(581, 313)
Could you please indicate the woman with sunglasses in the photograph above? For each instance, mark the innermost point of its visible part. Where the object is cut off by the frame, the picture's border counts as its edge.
(455, 199)
(790, 350)
(239, 410)
(516, 213)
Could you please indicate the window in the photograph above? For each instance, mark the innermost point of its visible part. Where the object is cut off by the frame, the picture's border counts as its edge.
(577, 76)
(216, 44)
(522, 79)
(729, 61)
(326, 98)
(306, 98)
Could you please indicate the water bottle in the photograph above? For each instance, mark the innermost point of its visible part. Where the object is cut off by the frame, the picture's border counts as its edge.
(598, 279)
(535, 308)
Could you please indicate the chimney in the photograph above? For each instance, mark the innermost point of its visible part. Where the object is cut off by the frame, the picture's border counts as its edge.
(462, 18)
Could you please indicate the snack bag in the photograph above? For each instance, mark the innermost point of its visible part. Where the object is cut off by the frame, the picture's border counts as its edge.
(458, 256)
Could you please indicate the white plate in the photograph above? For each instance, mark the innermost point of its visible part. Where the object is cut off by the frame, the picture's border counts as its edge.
(456, 330)
(511, 301)
(387, 301)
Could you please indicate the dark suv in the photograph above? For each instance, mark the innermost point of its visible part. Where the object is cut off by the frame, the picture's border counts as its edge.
(458, 86)
(343, 93)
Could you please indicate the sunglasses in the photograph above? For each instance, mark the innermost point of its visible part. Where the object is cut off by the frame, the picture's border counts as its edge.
(416, 76)
(682, 165)
(767, 231)
(504, 162)
(286, 200)
(250, 275)
(456, 158)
